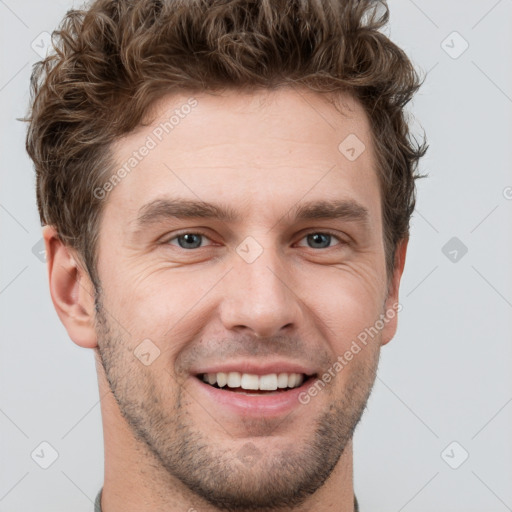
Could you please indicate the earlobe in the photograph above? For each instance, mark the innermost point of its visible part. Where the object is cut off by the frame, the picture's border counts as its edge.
(71, 290)
(392, 305)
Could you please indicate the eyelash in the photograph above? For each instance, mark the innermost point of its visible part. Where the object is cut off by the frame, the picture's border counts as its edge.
(201, 233)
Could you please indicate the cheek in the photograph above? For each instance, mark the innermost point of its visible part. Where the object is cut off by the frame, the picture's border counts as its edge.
(170, 306)
(343, 304)
(165, 306)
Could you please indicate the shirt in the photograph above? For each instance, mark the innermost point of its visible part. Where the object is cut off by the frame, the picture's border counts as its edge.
(97, 503)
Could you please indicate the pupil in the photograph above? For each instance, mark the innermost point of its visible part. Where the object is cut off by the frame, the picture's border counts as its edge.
(318, 237)
(189, 239)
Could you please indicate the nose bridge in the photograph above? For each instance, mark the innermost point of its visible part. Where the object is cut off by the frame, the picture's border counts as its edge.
(258, 294)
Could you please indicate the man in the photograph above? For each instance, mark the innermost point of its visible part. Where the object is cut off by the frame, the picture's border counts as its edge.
(225, 189)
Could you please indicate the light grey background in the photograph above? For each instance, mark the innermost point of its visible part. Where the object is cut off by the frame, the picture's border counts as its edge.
(444, 378)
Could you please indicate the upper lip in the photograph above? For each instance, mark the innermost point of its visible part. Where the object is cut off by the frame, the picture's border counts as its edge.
(256, 368)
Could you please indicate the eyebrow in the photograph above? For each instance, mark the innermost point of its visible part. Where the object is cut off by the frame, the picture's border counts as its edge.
(163, 209)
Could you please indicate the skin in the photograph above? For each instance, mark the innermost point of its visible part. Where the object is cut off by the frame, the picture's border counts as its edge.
(168, 448)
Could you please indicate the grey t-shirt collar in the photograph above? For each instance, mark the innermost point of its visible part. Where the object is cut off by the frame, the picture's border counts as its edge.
(97, 502)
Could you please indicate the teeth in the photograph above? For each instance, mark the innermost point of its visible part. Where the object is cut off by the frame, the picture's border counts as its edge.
(282, 380)
(299, 379)
(234, 379)
(221, 378)
(268, 382)
(249, 381)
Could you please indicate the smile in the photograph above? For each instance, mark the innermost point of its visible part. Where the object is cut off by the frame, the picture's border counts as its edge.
(240, 382)
(237, 394)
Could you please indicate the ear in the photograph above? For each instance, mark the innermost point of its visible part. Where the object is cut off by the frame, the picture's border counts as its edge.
(71, 290)
(392, 305)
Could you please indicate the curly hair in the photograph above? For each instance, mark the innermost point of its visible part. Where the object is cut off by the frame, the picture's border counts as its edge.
(112, 61)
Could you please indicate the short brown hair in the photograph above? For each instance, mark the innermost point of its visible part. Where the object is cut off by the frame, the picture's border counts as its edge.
(115, 59)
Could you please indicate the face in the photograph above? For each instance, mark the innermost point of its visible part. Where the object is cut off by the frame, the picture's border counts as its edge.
(245, 244)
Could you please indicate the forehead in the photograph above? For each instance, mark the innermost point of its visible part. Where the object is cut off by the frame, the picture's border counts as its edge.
(259, 151)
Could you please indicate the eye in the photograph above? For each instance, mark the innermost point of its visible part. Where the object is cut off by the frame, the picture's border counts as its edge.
(321, 240)
(315, 240)
(188, 240)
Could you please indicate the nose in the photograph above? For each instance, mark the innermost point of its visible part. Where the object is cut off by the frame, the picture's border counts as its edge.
(259, 296)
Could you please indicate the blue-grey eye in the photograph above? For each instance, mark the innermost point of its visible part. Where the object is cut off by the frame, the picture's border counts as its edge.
(190, 240)
(319, 239)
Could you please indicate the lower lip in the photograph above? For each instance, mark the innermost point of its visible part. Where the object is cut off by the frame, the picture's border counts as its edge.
(254, 405)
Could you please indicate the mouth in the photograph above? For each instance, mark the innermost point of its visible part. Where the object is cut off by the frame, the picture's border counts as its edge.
(247, 391)
(253, 385)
